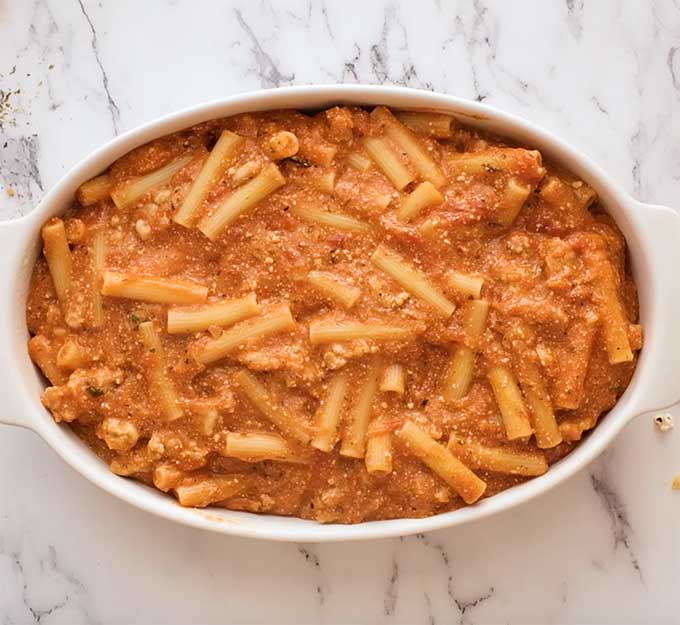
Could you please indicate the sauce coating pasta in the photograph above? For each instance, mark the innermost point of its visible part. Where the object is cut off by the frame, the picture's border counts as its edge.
(346, 316)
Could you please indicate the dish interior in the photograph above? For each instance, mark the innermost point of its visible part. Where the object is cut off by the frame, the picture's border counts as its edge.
(437, 314)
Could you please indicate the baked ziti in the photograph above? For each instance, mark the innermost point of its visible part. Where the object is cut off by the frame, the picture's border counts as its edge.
(342, 316)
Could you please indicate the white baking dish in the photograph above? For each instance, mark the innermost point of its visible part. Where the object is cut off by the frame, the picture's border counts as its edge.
(652, 233)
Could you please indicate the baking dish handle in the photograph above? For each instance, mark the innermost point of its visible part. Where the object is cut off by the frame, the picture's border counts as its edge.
(661, 226)
(14, 408)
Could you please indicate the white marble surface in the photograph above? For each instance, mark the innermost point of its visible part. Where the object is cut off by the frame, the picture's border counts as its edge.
(603, 548)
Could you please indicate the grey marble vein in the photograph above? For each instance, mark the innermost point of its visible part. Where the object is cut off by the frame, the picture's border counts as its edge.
(472, 43)
(674, 67)
(326, 20)
(599, 105)
(428, 604)
(19, 170)
(391, 592)
(114, 111)
(350, 66)
(311, 557)
(574, 17)
(42, 29)
(463, 606)
(622, 531)
(393, 37)
(265, 68)
(71, 593)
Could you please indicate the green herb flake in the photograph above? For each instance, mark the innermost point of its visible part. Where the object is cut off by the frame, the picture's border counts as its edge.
(300, 162)
(491, 169)
(135, 320)
(94, 391)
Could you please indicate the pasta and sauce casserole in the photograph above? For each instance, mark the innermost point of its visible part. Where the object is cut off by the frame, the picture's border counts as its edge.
(342, 316)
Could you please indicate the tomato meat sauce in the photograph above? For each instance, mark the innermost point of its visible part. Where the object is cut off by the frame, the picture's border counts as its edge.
(343, 316)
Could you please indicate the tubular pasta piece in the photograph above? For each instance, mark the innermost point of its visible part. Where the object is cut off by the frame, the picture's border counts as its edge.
(424, 195)
(324, 182)
(412, 280)
(498, 459)
(128, 193)
(540, 407)
(435, 125)
(274, 322)
(167, 476)
(393, 379)
(256, 447)
(476, 312)
(151, 289)
(465, 284)
(458, 376)
(332, 220)
(429, 227)
(157, 374)
(226, 313)
(327, 332)
(70, 356)
(358, 161)
(199, 493)
(491, 161)
(225, 148)
(378, 457)
(334, 289)
(513, 198)
(388, 162)
(411, 146)
(568, 387)
(98, 261)
(260, 397)
(440, 460)
(354, 438)
(509, 399)
(572, 430)
(41, 354)
(330, 413)
(241, 200)
(58, 256)
(533, 386)
(613, 318)
(94, 190)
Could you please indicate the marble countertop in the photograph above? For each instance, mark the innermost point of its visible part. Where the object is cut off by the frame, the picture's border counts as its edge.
(602, 548)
